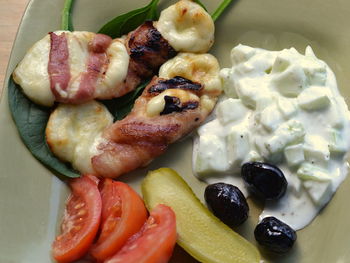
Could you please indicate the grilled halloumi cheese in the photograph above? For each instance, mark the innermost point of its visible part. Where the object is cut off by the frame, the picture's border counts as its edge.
(32, 73)
(187, 27)
(74, 132)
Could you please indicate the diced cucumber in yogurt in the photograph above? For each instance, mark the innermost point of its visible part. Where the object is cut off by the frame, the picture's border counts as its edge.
(294, 154)
(294, 117)
(309, 171)
(290, 132)
(271, 118)
(290, 82)
(230, 110)
(335, 116)
(314, 98)
(316, 150)
(229, 82)
(315, 69)
(212, 155)
(337, 144)
(319, 192)
(238, 146)
(253, 156)
(284, 59)
(241, 53)
(250, 92)
(287, 107)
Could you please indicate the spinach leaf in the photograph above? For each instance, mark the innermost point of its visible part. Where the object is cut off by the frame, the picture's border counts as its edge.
(221, 8)
(120, 107)
(125, 23)
(31, 121)
(66, 23)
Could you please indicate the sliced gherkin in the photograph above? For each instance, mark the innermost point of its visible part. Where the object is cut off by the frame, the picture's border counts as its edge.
(200, 233)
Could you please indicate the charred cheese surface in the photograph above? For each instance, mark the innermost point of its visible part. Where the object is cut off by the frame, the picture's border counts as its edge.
(200, 68)
(32, 72)
(187, 27)
(74, 131)
(156, 105)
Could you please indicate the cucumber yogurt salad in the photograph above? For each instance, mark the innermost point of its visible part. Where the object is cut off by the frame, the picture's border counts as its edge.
(283, 108)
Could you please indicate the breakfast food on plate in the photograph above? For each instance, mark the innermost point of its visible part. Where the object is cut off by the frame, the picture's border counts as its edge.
(284, 108)
(76, 67)
(171, 106)
(200, 233)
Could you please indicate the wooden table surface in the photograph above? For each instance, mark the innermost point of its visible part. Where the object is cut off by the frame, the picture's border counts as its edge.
(11, 12)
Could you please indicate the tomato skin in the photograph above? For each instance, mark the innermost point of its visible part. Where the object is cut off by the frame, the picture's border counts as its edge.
(81, 220)
(123, 215)
(154, 243)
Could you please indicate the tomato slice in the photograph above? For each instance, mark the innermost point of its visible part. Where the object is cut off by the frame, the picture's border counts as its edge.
(123, 214)
(154, 243)
(81, 220)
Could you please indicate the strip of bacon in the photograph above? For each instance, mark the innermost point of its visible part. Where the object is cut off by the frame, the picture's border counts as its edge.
(96, 66)
(58, 66)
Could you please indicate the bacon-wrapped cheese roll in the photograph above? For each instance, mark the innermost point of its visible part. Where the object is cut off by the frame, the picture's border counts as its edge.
(76, 67)
(170, 107)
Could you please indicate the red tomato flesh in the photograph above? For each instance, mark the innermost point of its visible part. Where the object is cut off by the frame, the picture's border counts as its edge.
(123, 214)
(154, 243)
(81, 220)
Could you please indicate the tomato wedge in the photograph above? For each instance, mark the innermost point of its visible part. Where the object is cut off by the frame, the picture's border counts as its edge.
(154, 243)
(123, 214)
(81, 220)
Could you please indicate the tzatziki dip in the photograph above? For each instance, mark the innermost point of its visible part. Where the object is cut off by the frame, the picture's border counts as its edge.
(283, 108)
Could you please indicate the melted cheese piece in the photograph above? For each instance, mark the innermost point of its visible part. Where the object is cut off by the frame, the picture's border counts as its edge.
(156, 105)
(32, 74)
(187, 27)
(74, 132)
(201, 68)
(116, 72)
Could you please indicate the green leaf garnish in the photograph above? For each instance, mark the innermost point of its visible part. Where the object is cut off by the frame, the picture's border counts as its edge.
(221, 8)
(120, 107)
(125, 23)
(66, 23)
(31, 121)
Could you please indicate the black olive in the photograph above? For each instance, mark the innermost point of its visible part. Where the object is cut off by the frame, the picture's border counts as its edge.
(274, 235)
(227, 203)
(264, 180)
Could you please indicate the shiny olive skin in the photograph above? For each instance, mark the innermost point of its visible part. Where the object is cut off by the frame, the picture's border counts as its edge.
(274, 235)
(227, 203)
(264, 180)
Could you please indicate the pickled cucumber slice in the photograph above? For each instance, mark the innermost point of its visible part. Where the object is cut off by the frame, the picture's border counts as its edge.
(200, 233)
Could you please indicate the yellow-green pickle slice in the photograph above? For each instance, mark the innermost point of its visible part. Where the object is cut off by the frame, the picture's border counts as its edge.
(200, 233)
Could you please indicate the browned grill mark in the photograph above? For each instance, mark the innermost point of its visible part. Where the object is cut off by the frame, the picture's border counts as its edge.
(148, 50)
(173, 104)
(175, 83)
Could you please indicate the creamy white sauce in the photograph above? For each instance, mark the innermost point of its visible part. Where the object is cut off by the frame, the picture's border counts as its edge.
(283, 108)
